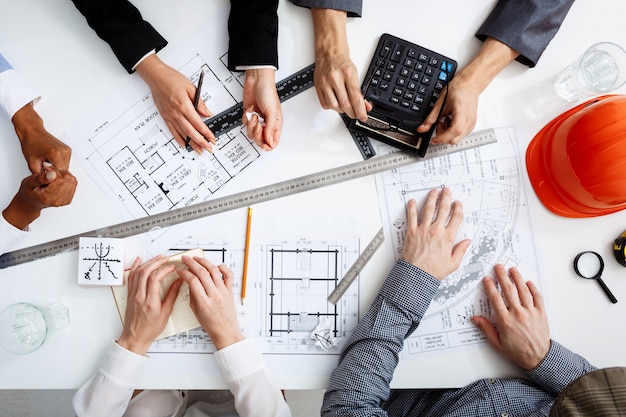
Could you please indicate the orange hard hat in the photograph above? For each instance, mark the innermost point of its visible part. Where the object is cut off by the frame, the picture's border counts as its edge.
(576, 163)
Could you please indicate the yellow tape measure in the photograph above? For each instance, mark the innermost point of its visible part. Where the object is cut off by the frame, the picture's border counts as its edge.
(619, 249)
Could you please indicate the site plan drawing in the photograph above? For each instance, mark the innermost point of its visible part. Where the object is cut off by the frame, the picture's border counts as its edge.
(489, 181)
(288, 283)
(128, 150)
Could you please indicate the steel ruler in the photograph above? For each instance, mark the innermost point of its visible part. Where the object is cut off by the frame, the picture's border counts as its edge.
(357, 266)
(246, 198)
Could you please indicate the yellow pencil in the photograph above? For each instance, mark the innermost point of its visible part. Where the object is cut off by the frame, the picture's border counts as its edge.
(245, 256)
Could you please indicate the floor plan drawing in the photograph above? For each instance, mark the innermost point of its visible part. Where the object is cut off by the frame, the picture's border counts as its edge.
(128, 150)
(288, 283)
(489, 181)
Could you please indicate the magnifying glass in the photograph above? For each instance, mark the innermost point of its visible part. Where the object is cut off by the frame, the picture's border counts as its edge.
(590, 265)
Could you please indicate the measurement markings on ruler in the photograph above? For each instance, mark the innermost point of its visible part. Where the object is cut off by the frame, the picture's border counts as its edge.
(243, 199)
(356, 267)
(286, 88)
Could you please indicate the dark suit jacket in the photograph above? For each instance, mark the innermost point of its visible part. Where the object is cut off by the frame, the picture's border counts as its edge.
(120, 24)
(252, 26)
(253, 33)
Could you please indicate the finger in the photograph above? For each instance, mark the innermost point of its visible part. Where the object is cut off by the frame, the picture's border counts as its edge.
(357, 101)
(343, 100)
(131, 274)
(452, 133)
(273, 125)
(456, 218)
(214, 270)
(525, 297)
(495, 298)
(488, 329)
(327, 99)
(170, 298)
(60, 157)
(459, 250)
(431, 119)
(201, 271)
(428, 210)
(509, 290)
(175, 135)
(537, 297)
(143, 287)
(444, 208)
(196, 289)
(411, 215)
(228, 275)
(203, 109)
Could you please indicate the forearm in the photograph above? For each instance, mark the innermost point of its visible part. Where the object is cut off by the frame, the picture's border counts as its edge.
(370, 356)
(330, 32)
(27, 123)
(492, 58)
(570, 366)
(20, 214)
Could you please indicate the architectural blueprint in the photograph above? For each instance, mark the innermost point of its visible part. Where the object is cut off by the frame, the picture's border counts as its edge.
(489, 181)
(127, 149)
(289, 280)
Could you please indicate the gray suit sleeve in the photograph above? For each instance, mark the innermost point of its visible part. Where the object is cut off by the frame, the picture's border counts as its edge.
(527, 26)
(353, 7)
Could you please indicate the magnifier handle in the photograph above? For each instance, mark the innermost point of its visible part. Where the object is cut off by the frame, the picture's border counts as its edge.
(607, 291)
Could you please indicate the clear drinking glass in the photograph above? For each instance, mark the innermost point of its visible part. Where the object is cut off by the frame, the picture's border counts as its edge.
(602, 68)
(24, 327)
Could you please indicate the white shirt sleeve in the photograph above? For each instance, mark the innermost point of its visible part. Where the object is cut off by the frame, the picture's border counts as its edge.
(248, 378)
(15, 92)
(109, 390)
(9, 235)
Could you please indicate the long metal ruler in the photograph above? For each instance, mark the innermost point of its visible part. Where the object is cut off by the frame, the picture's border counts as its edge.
(243, 199)
(286, 88)
(357, 266)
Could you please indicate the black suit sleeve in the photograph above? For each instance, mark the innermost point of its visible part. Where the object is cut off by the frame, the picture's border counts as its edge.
(120, 24)
(253, 33)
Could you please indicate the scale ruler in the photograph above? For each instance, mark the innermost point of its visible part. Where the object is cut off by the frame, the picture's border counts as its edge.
(244, 199)
(357, 266)
(287, 88)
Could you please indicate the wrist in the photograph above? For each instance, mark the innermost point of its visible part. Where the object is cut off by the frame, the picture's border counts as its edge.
(27, 122)
(138, 347)
(258, 75)
(226, 338)
(149, 68)
(20, 215)
(492, 58)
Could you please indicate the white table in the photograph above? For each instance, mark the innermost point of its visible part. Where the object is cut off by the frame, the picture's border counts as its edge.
(50, 44)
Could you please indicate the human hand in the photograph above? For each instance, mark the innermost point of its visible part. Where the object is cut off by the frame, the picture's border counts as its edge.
(429, 241)
(173, 95)
(212, 300)
(38, 145)
(50, 188)
(458, 117)
(522, 334)
(146, 314)
(259, 95)
(335, 77)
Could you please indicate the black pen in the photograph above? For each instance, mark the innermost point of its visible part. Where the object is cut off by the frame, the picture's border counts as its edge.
(196, 100)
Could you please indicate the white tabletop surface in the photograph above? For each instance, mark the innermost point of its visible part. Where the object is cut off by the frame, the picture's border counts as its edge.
(50, 44)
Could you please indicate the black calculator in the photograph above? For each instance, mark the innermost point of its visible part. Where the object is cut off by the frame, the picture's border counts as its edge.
(403, 82)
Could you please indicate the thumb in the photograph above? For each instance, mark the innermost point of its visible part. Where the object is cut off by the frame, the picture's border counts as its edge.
(431, 119)
(48, 175)
(168, 302)
(488, 329)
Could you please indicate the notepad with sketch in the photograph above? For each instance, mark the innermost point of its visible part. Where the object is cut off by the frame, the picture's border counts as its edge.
(182, 317)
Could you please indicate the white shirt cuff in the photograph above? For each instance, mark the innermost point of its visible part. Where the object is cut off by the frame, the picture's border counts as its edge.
(123, 366)
(152, 52)
(249, 67)
(239, 360)
(9, 235)
(15, 92)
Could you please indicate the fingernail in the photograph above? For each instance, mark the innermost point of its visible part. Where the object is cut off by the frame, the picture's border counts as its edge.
(50, 175)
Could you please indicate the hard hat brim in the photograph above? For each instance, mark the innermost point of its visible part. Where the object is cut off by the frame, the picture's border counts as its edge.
(541, 177)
